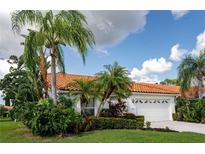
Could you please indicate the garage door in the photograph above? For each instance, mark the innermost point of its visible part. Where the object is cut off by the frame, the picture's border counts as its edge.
(154, 111)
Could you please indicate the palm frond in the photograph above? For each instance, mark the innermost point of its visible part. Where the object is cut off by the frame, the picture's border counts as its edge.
(21, 18)
(60, 59)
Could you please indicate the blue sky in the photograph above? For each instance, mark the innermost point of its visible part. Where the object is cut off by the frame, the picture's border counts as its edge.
(161, 32)
(150, 44)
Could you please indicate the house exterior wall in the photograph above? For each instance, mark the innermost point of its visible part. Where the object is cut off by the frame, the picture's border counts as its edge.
(154, 106)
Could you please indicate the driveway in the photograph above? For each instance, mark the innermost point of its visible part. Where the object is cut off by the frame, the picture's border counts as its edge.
(180, 126)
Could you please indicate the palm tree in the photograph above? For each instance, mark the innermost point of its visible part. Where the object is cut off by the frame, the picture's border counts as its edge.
(35, 57)
(113, 80)
(57, 30)
(86, 93)
(192, 69)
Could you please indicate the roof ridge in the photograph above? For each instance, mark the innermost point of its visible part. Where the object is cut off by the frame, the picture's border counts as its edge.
(148, 85)
(72, 74)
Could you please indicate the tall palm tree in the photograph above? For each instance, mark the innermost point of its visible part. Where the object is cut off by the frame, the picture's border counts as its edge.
(113, 80)
(192, 69)
(86, 93)
(57, 30)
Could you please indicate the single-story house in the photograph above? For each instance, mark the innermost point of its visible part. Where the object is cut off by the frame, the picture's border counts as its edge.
(156, 102)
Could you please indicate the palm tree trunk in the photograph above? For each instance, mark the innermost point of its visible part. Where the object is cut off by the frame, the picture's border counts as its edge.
(200, 89)
(53, 75)
(43, 72)
(106, 96)
(99, 108)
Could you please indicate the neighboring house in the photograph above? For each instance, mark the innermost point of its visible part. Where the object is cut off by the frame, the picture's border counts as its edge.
(5, 107)
(156, 102)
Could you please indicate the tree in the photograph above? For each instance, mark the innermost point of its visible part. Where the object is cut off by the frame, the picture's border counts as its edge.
(86, 93)
(170, 82)
(192, 69)
(113, 80)
(16, 85)
(57, 30)
(35, 57)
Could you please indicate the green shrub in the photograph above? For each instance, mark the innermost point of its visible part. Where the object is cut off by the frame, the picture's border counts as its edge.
(174, 116)
(51, 120)
(115, 123)
(27, 114)
(148, 124)
(105, 113)
(129, 116)
(139, 118)
(199, 110)
(66, 101)
(12, 114)
(4, 113)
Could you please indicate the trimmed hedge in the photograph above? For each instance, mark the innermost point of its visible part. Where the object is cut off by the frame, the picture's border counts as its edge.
(174, 116)
(115, 123)
(139, 118)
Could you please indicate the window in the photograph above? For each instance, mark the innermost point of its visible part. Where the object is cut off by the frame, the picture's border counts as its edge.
(90, 108)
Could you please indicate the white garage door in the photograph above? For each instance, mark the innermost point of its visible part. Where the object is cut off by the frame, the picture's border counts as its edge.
(154, 111)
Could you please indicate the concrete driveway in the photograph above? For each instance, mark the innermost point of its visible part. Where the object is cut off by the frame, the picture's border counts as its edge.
(180, 126)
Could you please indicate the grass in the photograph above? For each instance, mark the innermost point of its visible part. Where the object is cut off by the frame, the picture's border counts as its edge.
(15, 132)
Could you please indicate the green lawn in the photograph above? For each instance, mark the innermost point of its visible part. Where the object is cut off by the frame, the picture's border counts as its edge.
(16, 132)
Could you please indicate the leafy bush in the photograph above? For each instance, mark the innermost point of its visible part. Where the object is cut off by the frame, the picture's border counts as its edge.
(51, 120)
(191, 111)
(66, 101)
(148, 124)
(175, 117)
(27, 115)
(12, 114)
(199, 110)
(115, 123)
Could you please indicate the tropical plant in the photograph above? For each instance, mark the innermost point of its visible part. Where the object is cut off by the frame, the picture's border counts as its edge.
(56, 30)
(116, 108)
(35, 58)
(113, 80)
(190, 69)
(85, 94)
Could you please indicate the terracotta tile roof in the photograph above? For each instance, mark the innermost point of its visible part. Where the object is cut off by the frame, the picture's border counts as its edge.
(62, 81)
(154, 88)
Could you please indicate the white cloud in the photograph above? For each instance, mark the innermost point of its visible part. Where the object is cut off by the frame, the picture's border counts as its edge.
(179, 13)
(200, 44)
(4, 69)
(109, 28)
(9, 43)
(177, 53)
(151, 68)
